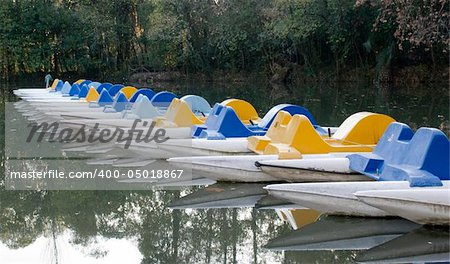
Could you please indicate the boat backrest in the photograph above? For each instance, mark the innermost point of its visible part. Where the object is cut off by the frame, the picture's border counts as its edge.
(244, 110)
(145, 92)
(429, 150)
(114, 89)
(178, 114)
(92, 95)
(66, 88)
(163, 99)
(223, 122)
(83, 91)
(143, 108)
(128, 91)
(120, 102)
(421, 158)
(94, 84)
(197, 104)
(363, 128)
(291, 109)
(55, 82)
(59, 85)
(85, 82)
(104, 86)
(105, 98)
(74, 90)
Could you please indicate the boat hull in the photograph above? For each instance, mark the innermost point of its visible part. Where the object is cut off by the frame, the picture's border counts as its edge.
(427, 206)
(337, 198)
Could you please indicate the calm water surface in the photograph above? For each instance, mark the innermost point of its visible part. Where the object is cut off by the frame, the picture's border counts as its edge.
(139, 227)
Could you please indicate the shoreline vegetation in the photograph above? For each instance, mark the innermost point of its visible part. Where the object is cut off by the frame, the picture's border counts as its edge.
(281, 41)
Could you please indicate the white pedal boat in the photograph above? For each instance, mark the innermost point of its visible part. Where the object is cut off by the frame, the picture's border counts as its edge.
(428, 206)
(242, 168)
(337, 198)
(323, 169)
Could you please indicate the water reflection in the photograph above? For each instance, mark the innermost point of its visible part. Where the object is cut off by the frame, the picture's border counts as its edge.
(141, 222)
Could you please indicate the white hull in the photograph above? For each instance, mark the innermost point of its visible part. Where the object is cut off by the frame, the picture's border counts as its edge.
(242, 168)
(319, 168)
(429, 206)
(337, 198)
(204, 147)
(226, 168)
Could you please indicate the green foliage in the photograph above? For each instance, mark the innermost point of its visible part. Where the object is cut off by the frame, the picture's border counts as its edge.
(104, 37)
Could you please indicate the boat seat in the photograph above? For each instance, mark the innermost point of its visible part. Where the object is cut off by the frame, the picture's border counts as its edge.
(142, 108)
(421, 158)
(128, 91)
(65, 89)
(113, 90)
(244, 110)
(224, 121)
(198, 104)
(120, 104)
(104, 99)
(102, 86)
(163, 99)
(275, 133)
(94, 84)
(54, 83)
(58, 86)
(74, 90)
(144, 91)
(92, 95)
(85, 82)
(179, 115)
(352, 136)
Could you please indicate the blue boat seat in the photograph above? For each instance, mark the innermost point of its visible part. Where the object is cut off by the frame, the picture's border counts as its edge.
(421, 158)
(120, 103)
(87, 82)
(102, 86)
(163, 99)
(74, 90)
(113, 90)
(223, 122)
(144, 91)
(65, 89)
(142, 108)
(59, 86)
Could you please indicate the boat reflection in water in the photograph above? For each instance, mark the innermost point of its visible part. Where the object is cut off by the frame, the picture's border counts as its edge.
(342, 233)
(425, 244)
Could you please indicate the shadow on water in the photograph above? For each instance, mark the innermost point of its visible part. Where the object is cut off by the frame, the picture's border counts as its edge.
(230, 233)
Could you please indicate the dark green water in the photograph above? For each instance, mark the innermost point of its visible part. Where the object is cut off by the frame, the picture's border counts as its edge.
(138, 227)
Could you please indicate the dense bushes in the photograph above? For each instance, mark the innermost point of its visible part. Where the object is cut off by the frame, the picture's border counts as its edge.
(106, 37)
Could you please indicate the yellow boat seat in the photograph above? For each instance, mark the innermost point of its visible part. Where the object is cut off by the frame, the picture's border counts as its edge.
(276, 132)
(54, 83)
(358, 133)
(179, 114)
(128, 91)
(80, 81)
(92, 95)
(244, 110)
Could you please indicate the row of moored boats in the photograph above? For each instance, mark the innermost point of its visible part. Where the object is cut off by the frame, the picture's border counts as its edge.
(371, 165)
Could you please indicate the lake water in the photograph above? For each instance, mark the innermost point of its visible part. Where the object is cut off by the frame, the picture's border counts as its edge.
(139, 226)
